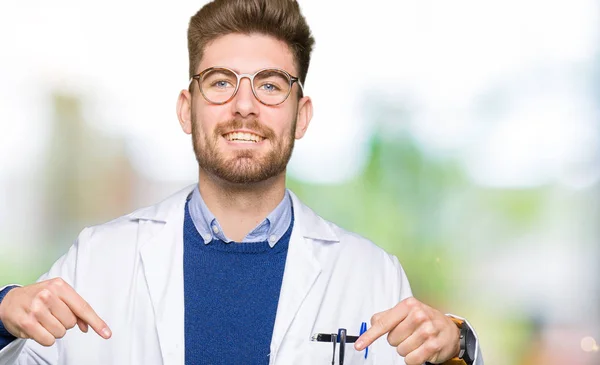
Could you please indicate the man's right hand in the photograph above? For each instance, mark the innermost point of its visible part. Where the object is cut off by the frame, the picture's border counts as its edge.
(46, 310)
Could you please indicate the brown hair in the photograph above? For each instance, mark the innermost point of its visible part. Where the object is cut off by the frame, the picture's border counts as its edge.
(280, 19)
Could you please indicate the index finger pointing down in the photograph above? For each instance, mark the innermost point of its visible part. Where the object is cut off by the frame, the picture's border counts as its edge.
(381, 323)
(84, 311)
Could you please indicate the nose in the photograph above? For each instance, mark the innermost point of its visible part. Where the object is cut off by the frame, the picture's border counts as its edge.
(244, 103)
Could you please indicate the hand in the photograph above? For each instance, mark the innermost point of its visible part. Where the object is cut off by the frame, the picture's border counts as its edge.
(46, 310)
(419, 333)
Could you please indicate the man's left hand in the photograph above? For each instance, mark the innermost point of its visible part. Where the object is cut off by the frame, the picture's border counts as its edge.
(419, 333)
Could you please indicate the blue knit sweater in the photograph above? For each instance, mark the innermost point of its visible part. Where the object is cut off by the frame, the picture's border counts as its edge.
(231, 295)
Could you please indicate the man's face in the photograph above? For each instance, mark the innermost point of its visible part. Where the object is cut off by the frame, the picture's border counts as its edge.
(244, 141)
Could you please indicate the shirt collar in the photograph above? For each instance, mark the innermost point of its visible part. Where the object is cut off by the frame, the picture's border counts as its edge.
(271, 229)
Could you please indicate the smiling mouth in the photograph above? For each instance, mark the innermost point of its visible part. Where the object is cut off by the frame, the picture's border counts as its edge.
(243, 137)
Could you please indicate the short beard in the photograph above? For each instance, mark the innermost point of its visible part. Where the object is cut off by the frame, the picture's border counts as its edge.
(244, 167)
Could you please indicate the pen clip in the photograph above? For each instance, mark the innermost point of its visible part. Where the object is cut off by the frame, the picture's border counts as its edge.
(342, 337)
(334, 340)
(363, 329)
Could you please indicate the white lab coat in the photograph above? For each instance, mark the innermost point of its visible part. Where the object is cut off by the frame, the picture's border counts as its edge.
(130, 270)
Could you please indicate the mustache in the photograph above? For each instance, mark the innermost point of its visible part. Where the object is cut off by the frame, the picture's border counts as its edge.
(251, 124)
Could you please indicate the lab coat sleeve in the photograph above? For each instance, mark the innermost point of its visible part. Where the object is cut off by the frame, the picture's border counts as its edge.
(479, 355)
(403, 289)
(29, 352)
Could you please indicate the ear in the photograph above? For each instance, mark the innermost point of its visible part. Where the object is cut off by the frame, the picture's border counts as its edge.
(305, 113)
(184, 111)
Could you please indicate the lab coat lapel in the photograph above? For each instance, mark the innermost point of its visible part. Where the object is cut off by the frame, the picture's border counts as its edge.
(301, 268)
(161, 230)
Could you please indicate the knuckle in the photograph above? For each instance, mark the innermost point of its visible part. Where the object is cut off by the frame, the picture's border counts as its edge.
(378, 320)
(375, 318)
(409, 361)
(420, 317)
(402, 350)
(71, 322)
(46, 341)
(430, 331)
(392, 340)
(414, 360)
(44, 295)
(411, 302)
(60, 333)
(57, 283)
(85, 307)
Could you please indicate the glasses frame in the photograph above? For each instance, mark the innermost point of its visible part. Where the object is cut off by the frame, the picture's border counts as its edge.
(250, 77)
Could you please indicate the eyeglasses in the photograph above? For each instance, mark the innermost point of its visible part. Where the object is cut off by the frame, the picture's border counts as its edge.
(271, 86)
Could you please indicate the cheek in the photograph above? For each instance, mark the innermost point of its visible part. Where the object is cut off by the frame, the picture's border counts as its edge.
(281, 121)
(206, 119)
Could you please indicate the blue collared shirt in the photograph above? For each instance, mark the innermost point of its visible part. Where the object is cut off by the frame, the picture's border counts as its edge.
(271, 229)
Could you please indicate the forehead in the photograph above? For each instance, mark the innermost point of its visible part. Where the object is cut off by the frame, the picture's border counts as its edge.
(247, 53)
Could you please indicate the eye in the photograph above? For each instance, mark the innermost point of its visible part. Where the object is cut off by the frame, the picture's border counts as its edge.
(219, 80)
(221, 84)
(269, 87)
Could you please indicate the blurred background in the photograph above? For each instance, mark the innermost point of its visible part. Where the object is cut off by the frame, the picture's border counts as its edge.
(463, 137)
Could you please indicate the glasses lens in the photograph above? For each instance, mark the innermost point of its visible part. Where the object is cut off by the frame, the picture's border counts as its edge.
(271, 86)
(218, 85)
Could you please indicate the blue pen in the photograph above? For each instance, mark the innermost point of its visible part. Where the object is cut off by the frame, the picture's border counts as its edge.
(363, 329)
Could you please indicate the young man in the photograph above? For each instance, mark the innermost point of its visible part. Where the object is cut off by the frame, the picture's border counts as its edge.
(234, 269)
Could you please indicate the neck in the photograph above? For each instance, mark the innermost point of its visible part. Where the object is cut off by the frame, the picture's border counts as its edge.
(240, 207)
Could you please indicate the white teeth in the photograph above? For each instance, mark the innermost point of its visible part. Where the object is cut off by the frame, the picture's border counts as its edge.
(243, 137)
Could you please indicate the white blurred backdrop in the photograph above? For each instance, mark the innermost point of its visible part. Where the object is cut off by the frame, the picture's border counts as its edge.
(505, 90)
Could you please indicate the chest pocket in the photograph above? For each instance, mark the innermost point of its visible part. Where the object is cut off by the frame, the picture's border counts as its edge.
(303, 351)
